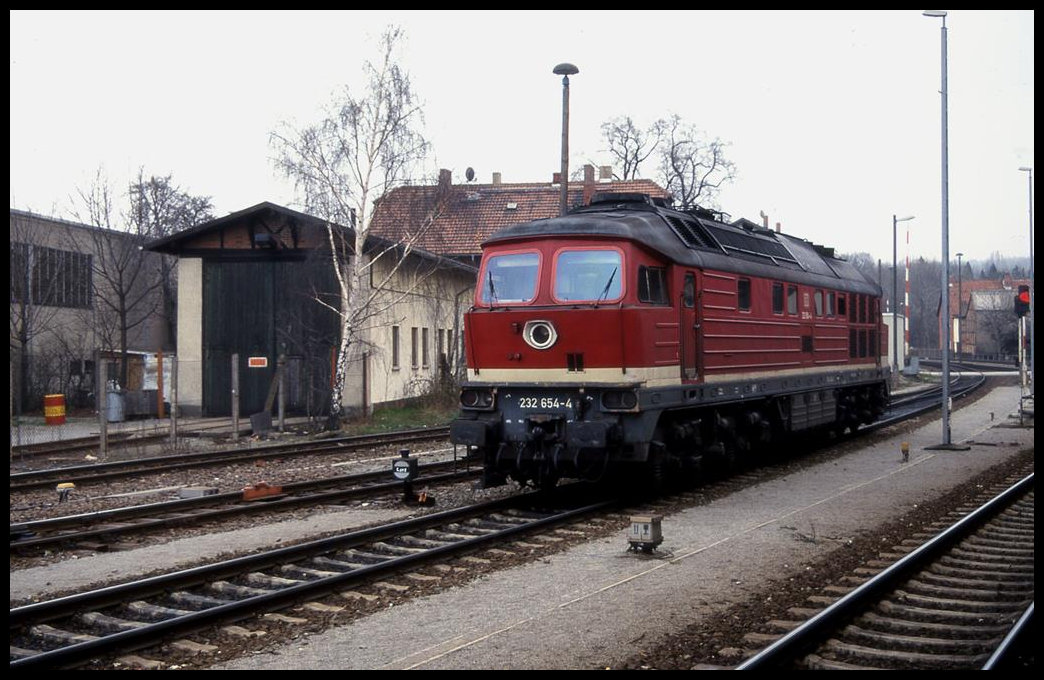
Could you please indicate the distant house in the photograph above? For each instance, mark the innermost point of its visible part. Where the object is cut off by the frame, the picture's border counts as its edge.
(64, 280)
(985, 320)
(467, 214)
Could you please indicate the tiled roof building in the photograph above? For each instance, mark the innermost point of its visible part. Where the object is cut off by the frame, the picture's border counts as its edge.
(467, 214)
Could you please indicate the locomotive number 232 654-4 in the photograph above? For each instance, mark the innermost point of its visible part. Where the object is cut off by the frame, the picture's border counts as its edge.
(544, 402)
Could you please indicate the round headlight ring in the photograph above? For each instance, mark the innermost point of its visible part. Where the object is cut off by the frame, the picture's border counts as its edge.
(540, 334)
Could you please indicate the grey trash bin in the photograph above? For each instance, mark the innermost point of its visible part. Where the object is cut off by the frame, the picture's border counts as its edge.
(114, 406)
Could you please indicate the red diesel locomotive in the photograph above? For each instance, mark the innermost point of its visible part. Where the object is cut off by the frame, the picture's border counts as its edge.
(628, 337)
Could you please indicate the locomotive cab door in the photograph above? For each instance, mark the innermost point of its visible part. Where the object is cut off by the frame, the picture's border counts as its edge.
(689, 329)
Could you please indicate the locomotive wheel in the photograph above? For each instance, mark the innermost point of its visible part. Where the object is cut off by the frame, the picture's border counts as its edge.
(545, 480)
(655, 468)
(720, 459)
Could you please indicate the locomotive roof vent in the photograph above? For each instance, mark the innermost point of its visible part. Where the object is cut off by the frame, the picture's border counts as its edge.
(691, 232)
(708, 214)
(621, 197)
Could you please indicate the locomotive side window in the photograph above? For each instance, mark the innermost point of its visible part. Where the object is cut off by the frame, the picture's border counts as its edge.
(511, 277)
(830, 304)
(588, 275)
(777, 298)
(841, 306)
(689, 293)
(792, 300)
(652, 285)
(819, 302)
(743, 294)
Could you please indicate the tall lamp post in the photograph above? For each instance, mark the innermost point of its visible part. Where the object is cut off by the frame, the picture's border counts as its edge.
(1033, 335)
(960, 307)
(896, 362)
(565, 70)
(945, 294)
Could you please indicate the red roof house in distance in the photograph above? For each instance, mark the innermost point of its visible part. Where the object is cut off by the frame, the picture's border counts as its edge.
(453, 220)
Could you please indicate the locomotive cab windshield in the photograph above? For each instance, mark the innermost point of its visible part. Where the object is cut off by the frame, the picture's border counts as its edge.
(578, 274)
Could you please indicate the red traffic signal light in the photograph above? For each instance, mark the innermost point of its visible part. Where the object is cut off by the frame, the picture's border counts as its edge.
(1022, 301)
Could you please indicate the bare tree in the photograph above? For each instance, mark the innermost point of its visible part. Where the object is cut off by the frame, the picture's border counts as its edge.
(33, 289)
(158, 208)
(690, 166)
(366, 144)
(126, 283)
(925, 303)
(629, 145)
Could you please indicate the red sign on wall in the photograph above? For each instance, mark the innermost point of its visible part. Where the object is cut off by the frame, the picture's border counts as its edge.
(257, 362)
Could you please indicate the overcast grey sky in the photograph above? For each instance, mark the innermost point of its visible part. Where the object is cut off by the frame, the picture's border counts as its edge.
(833, 118)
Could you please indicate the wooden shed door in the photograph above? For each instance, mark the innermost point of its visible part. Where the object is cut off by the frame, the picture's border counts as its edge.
(237, 318)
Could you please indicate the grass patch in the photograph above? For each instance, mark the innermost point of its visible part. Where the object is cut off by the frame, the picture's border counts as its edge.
(426, 413)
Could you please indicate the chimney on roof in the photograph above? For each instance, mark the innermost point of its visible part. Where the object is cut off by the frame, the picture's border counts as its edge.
(589, 183)
(605, 173)
(764, 219)
(496, 179)
(556, 178)
(445, 177)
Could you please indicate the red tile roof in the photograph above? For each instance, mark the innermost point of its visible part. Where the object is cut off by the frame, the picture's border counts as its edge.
(468, 213)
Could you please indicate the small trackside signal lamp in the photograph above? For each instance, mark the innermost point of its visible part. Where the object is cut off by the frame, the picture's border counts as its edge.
(1022, 301)
(404, 468)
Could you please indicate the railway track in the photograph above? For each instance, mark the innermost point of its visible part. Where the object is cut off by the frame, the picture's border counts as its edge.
(911, 405)
(959, 600)
(83, 474)
(104, 529)
(75, 447)
(101, 530)
(74, 630)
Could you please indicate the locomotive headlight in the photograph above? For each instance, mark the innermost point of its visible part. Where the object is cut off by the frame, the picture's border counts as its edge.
(619, 400)
(476, 398)
(539, 334)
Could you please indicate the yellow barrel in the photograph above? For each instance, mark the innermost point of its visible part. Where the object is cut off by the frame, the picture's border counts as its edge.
(54, 409)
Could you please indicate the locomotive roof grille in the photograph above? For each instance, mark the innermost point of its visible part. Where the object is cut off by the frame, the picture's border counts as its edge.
(691, 232)
(736, 241)
(697, 237)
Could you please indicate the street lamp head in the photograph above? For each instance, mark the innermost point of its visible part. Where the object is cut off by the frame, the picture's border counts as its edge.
(566, 70)
(1025, 169)
(937, 13)
(904, 219)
